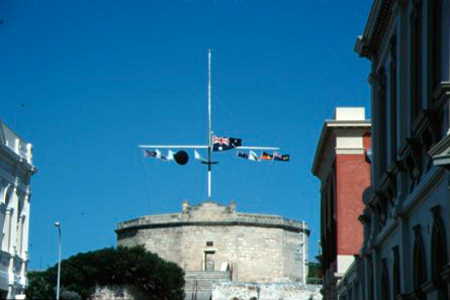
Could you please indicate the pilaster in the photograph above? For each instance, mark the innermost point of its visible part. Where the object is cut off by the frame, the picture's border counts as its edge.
(26, 228)
(12, 247)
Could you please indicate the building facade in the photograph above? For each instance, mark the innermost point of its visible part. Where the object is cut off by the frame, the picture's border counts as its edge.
(405, 254)
(215, 243)
(16, 169)
(341, 164)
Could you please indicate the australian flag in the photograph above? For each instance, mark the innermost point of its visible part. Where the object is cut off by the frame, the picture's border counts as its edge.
(225, 143)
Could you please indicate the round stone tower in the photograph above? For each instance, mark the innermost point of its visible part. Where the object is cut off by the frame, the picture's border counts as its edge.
(216, 238)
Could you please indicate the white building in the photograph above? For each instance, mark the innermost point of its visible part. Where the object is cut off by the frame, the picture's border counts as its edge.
(16, 169)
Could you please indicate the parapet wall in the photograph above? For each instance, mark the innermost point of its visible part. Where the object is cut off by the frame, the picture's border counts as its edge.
(210, 213)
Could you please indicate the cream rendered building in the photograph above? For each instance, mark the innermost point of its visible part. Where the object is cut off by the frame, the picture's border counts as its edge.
(16, 169)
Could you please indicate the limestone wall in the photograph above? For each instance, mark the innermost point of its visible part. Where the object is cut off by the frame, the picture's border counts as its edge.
(250, 291)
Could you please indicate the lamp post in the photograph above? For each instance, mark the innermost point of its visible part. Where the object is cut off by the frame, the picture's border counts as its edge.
(58, 227)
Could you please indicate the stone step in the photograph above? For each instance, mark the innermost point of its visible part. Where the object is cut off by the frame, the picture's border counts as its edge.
(206, 275)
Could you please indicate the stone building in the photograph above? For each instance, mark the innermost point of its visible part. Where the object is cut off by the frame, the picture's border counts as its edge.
(16, 169)
(405, 254)
(341, 164)
(215, 243)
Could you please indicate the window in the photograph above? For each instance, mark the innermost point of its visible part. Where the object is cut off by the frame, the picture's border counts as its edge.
(382, 124)
(416, 59)
(209, 244)
(396, 272)
(439, 252)
(419, 262)
(436, 41)
(8, 195)
(393, 100)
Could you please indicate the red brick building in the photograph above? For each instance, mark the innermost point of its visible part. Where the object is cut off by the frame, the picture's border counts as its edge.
(342, 164)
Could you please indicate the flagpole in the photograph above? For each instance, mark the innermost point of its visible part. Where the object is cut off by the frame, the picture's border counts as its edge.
(209, 126)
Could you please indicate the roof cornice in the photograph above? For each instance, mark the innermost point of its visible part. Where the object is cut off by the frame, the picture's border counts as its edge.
(327, 129)
(379, 13)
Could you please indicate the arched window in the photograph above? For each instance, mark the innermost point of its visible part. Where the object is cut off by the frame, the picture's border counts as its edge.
(439, 253)
(419, 262)
(8, 195)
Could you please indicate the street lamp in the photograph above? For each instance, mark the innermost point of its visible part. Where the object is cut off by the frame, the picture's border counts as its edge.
(58, 227)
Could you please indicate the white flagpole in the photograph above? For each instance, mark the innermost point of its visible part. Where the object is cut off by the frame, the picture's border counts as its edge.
(209, 126)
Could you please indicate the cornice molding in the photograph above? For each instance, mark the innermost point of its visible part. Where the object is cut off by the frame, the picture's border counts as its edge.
(440, 153)
(442, 89)
(380, 14)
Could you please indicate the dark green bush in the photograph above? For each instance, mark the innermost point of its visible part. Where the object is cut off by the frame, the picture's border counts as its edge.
(135, 267)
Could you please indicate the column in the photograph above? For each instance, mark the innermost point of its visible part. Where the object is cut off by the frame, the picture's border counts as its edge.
(24, 241)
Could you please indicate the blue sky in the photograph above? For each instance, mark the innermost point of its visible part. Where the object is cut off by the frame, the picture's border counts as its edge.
(87, 81)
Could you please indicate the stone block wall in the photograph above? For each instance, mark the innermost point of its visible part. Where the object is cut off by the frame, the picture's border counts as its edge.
(270, 291)
(253, 247)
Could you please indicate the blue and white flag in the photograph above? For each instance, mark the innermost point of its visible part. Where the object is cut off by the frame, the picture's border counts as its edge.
(250, 155)
(170, 155)
(253, 156)
(198, 156)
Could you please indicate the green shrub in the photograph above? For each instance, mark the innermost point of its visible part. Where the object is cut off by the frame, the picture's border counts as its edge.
(135, 267)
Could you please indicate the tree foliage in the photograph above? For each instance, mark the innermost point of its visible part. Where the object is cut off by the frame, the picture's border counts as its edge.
(315, 270)
(315, 275)
(135, 267)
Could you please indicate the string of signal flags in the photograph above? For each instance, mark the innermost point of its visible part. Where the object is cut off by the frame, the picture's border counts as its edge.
(219, 144)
